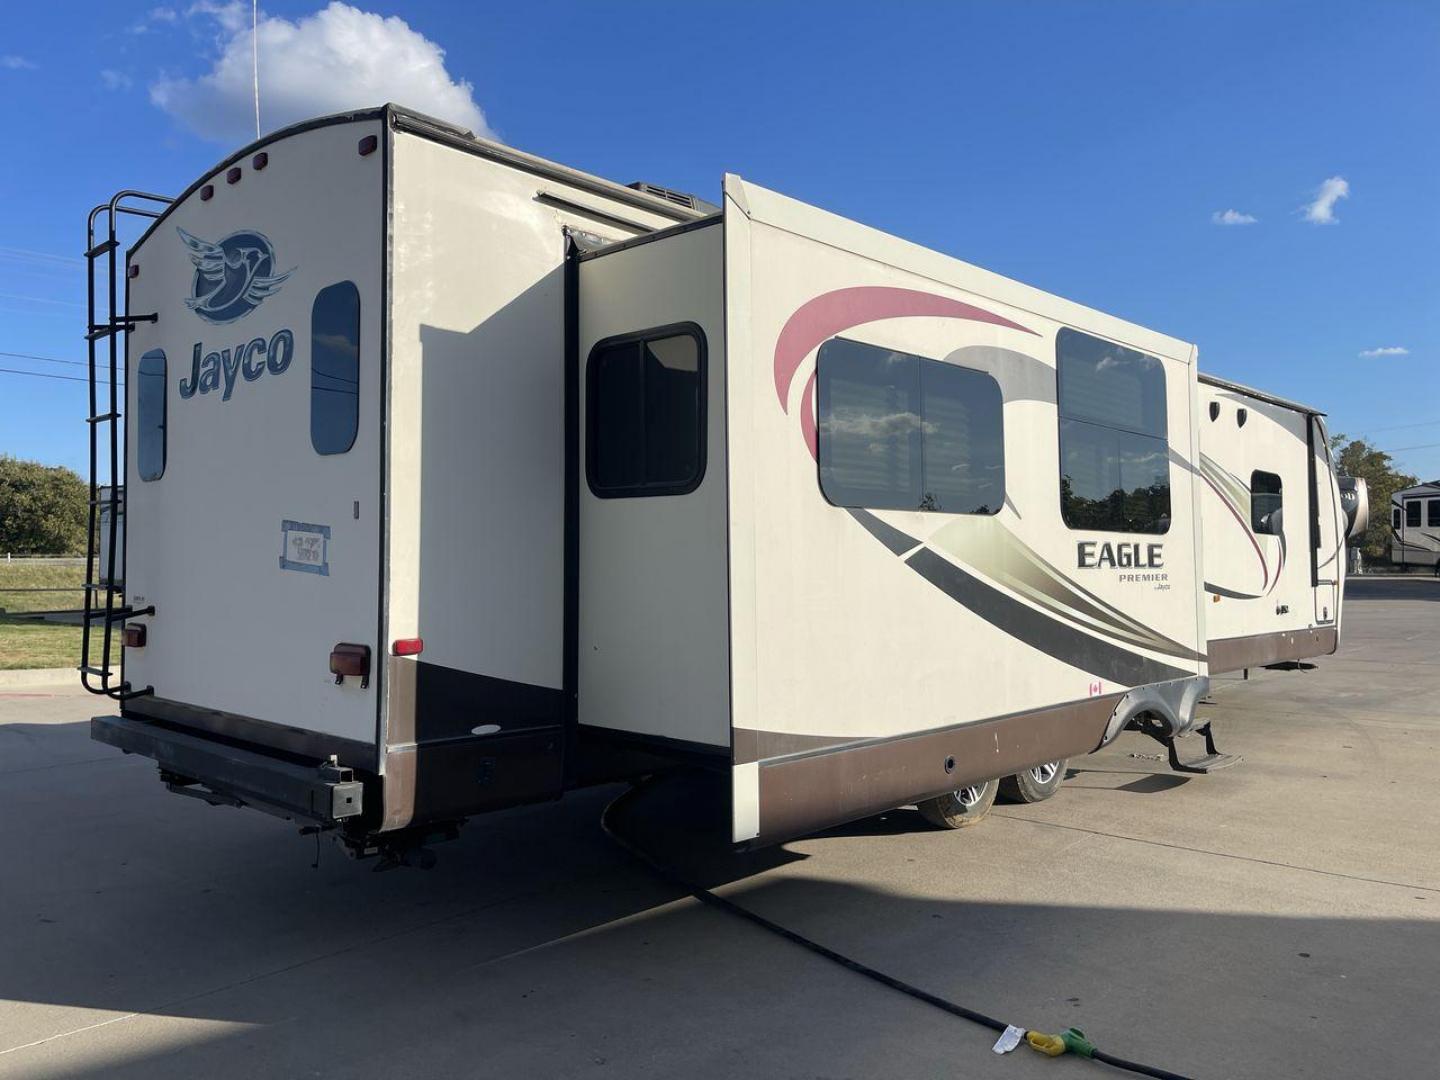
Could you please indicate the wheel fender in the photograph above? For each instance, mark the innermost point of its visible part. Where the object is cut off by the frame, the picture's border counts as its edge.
(1173, 703)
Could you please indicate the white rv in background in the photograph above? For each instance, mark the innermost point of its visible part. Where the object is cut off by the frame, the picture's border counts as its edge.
(1415, 526)
(458, 479)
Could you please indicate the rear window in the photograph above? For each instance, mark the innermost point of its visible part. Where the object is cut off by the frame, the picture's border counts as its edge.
(335, 368)
(150, 415)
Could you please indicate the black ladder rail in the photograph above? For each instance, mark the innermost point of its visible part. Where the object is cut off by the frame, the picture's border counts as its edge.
(140, 204)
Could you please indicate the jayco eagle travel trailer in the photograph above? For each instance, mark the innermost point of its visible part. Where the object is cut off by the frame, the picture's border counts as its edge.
(1415, 526)
(457, 479)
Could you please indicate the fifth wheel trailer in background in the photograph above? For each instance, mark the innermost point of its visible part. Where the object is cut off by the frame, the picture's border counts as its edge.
(458, 479)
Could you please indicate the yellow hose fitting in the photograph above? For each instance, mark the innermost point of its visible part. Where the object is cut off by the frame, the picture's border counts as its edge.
(1052, 1045)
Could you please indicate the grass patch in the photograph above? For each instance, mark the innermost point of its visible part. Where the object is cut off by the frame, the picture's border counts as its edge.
(34, 574)
(29, 643)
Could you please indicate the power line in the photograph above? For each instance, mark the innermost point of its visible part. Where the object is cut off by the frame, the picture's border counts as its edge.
(1398, 427)
(47, 375)
(47, 359)
(1422, 446)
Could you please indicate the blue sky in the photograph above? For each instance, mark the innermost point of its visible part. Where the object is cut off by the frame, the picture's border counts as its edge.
(1082, 148)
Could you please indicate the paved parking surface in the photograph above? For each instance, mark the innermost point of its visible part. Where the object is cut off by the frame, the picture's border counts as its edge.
(1281, 918)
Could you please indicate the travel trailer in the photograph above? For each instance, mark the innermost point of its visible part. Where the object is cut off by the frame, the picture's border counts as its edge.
(1274, 526)
(458, 479)
(1415, 526)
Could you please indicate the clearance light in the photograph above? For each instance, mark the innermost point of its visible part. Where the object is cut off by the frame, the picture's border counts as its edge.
(259, 161)
(207, 192)
(232, 175)
(134, 636)
(368, 145)
(408, 646)
(133, 270)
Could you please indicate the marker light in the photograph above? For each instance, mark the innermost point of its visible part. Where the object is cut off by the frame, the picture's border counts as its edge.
(134, 636)
(232, 175)
(408, 646)
(259, 161)
(207, 192)
(368, 145)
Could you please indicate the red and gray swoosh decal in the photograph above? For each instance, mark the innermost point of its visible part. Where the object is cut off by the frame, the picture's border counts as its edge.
(820, 319)
(1066, 643)
(829, 314)
(1235, 496)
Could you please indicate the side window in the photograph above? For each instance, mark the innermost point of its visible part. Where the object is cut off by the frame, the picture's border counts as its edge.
(1395, 518)
(645, 413)
(1412, 513)
(1432, 513)
(1114, 457)
(1265, 503)
(900, 432)
(335, 368)
(150, 415)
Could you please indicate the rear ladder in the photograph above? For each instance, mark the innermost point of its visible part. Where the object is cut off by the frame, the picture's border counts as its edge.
(105, 593)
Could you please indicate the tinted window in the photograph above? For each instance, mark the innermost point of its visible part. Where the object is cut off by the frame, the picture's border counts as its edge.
(1114, 459)
(1412, 513)
(900, 432)
(1395, 518)
(150, 415)
(1265, 503)
(1432, 513)
(645, 421)
(335, 368)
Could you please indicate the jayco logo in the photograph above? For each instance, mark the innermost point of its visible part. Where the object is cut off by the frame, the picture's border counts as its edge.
(248, 359)
(232, 276)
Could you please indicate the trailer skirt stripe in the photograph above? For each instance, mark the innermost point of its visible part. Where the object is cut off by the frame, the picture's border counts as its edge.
(1050, 636)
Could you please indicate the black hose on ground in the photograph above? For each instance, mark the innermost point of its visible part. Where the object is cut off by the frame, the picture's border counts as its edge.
(705, 896)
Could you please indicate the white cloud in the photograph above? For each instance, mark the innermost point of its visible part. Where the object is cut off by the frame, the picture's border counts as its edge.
(1385, 350)
(17, 63)
(164, 14)
(115, 80)
(339, 58)
(1321, 211)
(1233, 217)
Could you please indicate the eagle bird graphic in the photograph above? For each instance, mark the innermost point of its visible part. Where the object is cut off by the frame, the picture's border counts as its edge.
(232, 276)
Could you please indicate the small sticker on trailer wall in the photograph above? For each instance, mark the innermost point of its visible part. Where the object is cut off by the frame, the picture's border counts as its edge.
(305, 547)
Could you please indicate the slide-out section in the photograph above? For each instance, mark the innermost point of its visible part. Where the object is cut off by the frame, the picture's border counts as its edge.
(957, 533)
(653, 645)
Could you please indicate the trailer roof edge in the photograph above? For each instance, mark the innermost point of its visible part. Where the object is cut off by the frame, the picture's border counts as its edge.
(1259, 395)
(418, 123)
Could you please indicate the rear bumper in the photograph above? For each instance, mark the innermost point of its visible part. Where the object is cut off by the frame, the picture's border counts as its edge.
(316, 791)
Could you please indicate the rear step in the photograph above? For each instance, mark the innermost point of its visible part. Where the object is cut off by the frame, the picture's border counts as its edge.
(1212, 761)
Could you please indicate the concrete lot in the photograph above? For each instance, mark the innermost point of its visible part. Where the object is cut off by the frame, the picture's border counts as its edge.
(1278, 919)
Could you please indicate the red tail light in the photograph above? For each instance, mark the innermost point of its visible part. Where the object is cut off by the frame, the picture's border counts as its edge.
(350, 659)
(134, 636)
(408, 646)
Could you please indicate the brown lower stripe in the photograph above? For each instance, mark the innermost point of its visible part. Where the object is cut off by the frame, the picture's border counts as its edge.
(1257, 650)
(799, 795)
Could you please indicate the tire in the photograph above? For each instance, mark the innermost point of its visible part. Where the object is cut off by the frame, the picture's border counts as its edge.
(960, 809)
(1034, 785)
